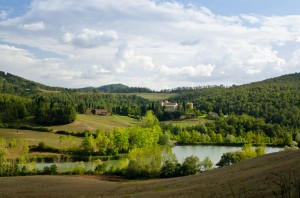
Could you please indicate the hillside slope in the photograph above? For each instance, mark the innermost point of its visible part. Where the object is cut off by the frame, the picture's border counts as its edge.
(13, 84)
(276, 100)
(252, 178)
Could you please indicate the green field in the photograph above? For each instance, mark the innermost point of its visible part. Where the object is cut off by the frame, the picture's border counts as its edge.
(190, 122)
(82, 123)
(154, 96)
(94, 122)
(33, 137)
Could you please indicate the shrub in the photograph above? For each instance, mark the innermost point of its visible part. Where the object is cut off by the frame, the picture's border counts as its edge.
(79, 168)
(190, 166)
(52, 170)
(170, 169)
(100, 169)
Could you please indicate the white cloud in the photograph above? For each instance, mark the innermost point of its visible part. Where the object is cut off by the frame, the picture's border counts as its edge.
(142, 42)
(35, 26)
(21, 62)
(127, 58)
(90, 38)
(187, 71)
(251, 19)
(94, 72)
(3, 14)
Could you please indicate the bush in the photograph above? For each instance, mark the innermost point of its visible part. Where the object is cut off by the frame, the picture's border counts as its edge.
(170, 169)
(41, 129)
(190, 166)
(228, 159)
(100, 169)
(52, 170)
(134, 171)
(79, 168)
(42, 147)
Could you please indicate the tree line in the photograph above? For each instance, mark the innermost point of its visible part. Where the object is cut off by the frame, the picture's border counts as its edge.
(234, 129)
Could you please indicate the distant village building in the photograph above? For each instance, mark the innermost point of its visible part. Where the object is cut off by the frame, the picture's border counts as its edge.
(169, 106)
(102, 112)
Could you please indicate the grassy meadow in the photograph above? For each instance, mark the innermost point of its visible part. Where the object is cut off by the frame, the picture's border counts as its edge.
(186, 123)
(33, 137)
(82, 123)
(94, 122)
(154, 96)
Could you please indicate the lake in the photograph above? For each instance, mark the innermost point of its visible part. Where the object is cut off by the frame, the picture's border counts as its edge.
(212, 151)
(181, 152)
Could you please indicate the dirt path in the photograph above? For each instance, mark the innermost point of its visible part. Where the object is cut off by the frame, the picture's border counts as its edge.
(253, 178)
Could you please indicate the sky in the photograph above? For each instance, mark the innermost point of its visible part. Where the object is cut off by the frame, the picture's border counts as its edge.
(159, 44)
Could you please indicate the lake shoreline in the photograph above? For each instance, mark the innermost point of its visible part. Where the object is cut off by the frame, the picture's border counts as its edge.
(229, 144)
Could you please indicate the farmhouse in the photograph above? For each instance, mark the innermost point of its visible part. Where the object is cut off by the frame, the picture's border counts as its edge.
(102, 112)
(169, 106)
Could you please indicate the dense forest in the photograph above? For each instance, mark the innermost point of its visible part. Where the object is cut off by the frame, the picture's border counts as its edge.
(266, 112)
(120, 88)
(20, 98)
(261, 112)
(275, 100)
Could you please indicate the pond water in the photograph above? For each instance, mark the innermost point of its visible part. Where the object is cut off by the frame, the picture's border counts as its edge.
(212, 151)
(181, 152)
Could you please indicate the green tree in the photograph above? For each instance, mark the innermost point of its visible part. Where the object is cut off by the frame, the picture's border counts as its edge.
(228, 159)
(190, 166)
(171, 168)
(207, 164)
(88, 143)
(184, 137)
(149, 120)
(297, 138)
(121, 139)
(68, 143)
(103, 140)
(3, 152)
(146, 162)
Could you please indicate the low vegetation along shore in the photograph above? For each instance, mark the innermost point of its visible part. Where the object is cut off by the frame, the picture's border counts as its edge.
(272, 175)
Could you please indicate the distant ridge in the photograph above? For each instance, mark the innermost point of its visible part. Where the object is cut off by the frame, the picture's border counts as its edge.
(17, 85)
(10, 83)
(120, 88)
(113, 87)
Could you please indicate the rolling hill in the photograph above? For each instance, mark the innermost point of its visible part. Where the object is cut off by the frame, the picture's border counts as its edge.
(13, 84)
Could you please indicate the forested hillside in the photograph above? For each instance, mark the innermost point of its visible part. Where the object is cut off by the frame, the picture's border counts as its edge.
(120, 88)
(276, 100)
(12, 84)
(260, 112)
(20, 98)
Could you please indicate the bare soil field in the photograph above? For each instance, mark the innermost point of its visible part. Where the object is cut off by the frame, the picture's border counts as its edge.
(252, 178)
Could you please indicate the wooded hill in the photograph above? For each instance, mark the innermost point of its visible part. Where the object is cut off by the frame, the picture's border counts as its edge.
(12, 84)
(20, 98)
(277, 100)
(270, 108)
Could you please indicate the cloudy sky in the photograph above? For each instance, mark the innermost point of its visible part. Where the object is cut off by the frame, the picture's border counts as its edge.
(149, 43)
